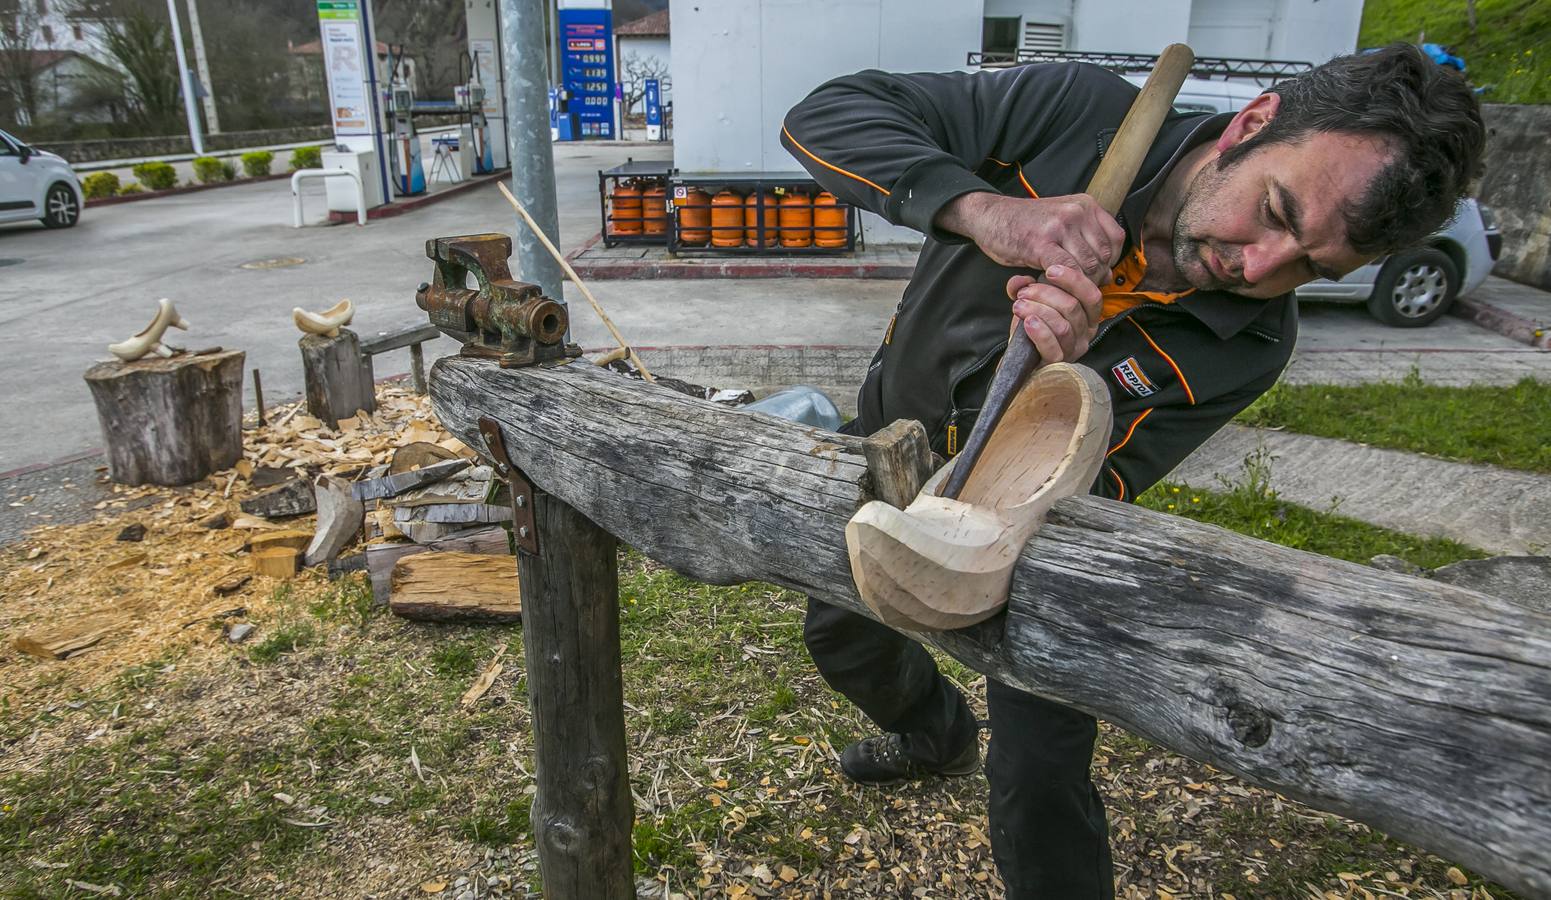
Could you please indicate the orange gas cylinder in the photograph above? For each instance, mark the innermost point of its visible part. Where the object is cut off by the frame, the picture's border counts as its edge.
(829, 221)
(626, 201)
(727, 219)
(654, 201)
(752, 208)
(796, 220)
(695, 218)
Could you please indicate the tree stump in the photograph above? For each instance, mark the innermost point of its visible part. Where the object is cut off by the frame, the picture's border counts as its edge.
(338, 376)
(169, 421)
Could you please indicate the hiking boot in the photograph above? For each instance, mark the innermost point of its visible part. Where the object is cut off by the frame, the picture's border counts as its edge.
(883, 760)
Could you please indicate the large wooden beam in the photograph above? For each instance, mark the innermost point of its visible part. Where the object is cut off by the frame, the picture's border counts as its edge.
(1419, 708)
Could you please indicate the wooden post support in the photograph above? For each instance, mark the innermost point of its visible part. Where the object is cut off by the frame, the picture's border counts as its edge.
(169, 421)
(582, 813)
(338, 376)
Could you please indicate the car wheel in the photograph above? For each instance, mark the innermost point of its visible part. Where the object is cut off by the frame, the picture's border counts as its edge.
(1414, 288)
(60, 208)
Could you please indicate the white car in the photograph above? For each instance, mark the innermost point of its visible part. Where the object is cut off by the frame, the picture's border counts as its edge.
(36, 184)
(1408, 289)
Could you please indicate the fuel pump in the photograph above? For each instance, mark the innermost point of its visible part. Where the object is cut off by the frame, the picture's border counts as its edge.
(475, 134)
(408, 173)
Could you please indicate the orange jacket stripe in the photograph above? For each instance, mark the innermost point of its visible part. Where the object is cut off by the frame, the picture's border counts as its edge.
(1129, 431)
(1189, 394)
(1119, 483)
(882, 190)
(1026, 185)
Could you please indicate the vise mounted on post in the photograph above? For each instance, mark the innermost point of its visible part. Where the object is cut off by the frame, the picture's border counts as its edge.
(508, 320)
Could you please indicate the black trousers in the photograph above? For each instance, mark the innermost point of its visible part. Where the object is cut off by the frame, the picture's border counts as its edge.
(1049, 834)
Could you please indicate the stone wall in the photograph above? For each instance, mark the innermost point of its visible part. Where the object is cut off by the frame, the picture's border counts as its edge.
(1517, 186)
(168, 145)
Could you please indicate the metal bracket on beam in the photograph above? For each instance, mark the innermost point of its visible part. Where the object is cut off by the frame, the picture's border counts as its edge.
(524, 525)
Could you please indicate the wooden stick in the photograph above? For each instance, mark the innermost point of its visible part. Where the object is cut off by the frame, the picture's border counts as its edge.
(258, 395)
(577, 280)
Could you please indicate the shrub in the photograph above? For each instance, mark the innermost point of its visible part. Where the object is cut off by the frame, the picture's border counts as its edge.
(256, 164)
(158, 176)
(209, 170)
(306, 158)
(131, 188)
(99, 184)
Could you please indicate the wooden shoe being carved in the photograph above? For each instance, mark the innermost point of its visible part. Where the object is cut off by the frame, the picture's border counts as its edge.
(941, 564)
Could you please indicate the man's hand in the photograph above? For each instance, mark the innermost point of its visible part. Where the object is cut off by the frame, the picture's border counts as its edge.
(1059, 317)
(1072, 231)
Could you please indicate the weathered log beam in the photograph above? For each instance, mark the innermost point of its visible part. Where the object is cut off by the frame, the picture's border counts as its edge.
(1419, 708)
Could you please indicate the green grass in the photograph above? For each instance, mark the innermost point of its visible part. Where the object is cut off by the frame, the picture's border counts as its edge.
(1509, 53)
(731, 734)
(1252, 507)
(1499, 426)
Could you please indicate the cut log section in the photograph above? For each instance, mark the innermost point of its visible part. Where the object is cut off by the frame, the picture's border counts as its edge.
(276, 561)
(940, 564)
(169, 421)
(1417, 707)
(381, 558)
(456, 587)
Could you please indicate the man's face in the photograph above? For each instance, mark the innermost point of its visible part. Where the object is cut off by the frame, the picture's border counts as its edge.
(1272, 220)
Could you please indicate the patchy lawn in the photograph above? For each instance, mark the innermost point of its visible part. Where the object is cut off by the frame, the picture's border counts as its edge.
(1499, 426)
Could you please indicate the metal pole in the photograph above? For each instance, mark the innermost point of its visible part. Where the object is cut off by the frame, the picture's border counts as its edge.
(203, 65)
(527, 139)
(188, 87)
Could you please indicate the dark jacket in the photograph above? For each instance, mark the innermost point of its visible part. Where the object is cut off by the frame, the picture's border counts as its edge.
(1178, 366)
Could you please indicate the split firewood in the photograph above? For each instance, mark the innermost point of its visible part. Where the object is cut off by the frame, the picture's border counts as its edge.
(64, 641)
(456, 587)
(339, 520)
(381, 558)
(294, 538)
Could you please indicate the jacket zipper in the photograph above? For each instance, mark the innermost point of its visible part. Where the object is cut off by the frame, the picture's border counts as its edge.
(951, 432)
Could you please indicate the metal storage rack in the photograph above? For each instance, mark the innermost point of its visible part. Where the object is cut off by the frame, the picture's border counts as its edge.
(1225, 67)
(609, 181)
(744, 183)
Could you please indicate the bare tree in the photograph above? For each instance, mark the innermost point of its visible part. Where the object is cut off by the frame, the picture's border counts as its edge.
(141, 44)
(635, 69)
(21, 63)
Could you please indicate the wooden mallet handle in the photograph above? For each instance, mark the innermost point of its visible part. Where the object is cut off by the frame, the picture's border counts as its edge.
(1110, 183)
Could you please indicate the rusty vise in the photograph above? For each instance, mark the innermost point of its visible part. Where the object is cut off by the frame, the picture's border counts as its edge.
(508, 320)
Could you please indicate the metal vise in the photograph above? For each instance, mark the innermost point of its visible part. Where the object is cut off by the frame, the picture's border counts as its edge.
(508, 320)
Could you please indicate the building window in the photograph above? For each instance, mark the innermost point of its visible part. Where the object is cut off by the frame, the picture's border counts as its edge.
(79, 32)
(48, 34)
(42, 7)
(999, 35)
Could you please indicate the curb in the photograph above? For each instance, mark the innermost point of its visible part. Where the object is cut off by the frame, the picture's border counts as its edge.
(173, 192)
(780, 267)
(1505, 323)
(399, 207)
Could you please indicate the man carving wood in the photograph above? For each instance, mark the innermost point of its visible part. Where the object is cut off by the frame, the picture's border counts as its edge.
(1182, 303)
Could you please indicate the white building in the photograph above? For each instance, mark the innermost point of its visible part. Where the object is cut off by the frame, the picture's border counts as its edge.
(641, 51)
(739, 65)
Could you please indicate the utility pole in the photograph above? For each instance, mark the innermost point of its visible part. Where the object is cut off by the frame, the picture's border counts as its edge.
(188, 87)
(527, 139)
(203, 66)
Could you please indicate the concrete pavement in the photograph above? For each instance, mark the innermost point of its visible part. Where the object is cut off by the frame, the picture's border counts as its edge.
(235, 268)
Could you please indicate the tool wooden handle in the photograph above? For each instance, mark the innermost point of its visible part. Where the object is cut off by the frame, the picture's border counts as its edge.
(1109, 187)
(1123, 160)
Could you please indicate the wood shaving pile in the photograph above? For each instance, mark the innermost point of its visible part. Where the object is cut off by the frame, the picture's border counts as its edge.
(160, 593)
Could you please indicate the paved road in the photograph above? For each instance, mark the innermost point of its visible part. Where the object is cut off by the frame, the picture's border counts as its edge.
(69, 294)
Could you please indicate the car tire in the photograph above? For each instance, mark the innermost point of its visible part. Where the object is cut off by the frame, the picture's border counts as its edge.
(61, 208)
(1414, 288)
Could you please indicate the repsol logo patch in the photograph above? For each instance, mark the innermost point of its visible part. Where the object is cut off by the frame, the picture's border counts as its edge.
(1131, 377)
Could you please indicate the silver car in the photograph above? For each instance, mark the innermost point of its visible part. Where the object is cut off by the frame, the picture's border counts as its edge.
(36, 184)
